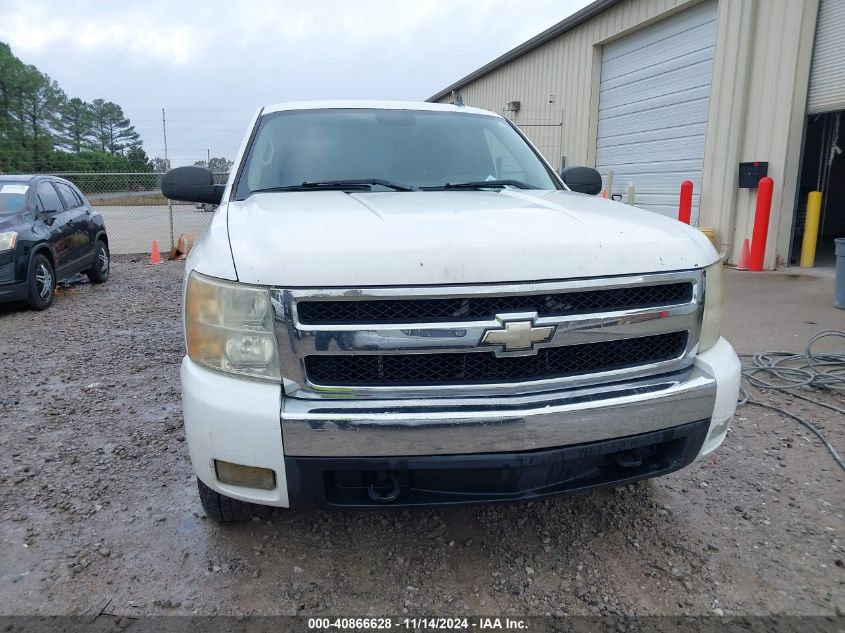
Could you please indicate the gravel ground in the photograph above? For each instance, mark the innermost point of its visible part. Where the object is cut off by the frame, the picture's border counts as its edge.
(99, 512)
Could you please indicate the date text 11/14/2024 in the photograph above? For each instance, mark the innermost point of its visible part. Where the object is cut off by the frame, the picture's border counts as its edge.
(416, 624)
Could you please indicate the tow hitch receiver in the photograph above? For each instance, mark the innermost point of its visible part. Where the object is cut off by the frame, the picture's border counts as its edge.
(633, 458)
(383, 486)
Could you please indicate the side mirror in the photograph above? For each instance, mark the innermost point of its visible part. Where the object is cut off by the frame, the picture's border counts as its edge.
(191, 184)
(48, 217)
(582, 179)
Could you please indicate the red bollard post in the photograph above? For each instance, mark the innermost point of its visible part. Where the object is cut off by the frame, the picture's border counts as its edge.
(761, 223)
(685, 205)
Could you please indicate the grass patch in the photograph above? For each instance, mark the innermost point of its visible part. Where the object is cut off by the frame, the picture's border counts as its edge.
(130, 201)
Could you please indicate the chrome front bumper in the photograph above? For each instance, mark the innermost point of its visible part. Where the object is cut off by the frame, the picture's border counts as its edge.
(359, 428)
(326, 419)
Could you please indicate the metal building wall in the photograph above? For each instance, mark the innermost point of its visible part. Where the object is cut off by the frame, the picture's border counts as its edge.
(827, 76)
(653, 105)
(555, 82)
(756, 112)
(757, 108)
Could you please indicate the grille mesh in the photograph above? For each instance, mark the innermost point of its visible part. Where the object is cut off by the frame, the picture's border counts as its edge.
(462, 368)
(458, 309)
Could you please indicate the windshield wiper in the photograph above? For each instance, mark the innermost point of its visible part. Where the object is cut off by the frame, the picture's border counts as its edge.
(365, 184)
(483, 184)
(360, 182)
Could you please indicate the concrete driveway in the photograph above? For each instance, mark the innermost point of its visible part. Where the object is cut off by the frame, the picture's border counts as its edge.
(133, 228)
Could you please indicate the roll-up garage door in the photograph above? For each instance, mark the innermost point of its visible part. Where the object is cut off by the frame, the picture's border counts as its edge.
(827, 73)
(653, 99)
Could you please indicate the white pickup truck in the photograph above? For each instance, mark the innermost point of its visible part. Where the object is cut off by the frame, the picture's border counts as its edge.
(403, 304)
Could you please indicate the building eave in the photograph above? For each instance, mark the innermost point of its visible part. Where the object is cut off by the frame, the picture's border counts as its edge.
(579, 17)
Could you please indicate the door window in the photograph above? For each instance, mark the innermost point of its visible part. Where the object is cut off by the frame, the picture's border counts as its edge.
(49, 198)
(79, 199)
(68, 195)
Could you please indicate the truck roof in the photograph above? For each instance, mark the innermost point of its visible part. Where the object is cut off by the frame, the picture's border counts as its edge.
(383, 105)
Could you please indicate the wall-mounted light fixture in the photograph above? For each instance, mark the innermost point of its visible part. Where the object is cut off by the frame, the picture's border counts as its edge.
(512, 106)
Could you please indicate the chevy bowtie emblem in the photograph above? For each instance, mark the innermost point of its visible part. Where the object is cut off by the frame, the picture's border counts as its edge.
(518, 335)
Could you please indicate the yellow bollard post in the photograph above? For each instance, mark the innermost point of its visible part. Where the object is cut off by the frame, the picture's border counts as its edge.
(811, 229)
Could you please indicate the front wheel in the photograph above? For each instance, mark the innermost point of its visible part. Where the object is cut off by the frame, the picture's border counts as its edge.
(222, 509)
(42, 283)
(99, 272)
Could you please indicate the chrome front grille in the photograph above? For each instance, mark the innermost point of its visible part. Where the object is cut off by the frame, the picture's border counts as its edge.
(468, 368)
(388, 343)
(456, 309)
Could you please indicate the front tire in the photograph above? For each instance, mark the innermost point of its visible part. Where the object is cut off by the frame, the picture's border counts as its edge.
(222, 509)
(42, 283)
(99, 272)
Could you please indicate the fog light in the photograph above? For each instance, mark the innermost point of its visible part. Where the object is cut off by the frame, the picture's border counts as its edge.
(720, 428)
(248, 476)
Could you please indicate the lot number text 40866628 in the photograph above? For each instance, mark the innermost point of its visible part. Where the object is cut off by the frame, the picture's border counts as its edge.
(422, 623)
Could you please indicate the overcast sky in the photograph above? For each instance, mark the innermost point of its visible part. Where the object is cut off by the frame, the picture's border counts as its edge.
(211, 64)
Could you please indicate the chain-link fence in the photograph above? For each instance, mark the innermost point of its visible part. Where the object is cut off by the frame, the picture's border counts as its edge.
(136, 213)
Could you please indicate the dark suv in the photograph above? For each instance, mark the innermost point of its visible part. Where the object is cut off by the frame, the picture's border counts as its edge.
(48, 230)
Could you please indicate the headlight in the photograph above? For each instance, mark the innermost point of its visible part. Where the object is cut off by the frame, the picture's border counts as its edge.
(714, 301)
(229, 328)
(8, 240)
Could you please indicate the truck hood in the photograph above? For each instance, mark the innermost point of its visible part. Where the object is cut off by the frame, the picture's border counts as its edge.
(331, 238)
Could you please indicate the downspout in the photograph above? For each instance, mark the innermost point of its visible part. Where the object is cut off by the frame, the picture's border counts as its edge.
(738, 114)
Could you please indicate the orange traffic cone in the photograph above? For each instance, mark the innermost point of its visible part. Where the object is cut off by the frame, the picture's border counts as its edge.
(744, 256)
(155, 256)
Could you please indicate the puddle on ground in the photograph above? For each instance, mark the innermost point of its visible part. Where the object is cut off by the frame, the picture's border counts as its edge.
(72, 285)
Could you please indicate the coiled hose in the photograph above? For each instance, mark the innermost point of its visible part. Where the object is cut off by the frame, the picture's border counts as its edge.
(785, 371)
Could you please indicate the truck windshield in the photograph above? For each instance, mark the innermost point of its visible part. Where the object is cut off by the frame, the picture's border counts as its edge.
(412, 149)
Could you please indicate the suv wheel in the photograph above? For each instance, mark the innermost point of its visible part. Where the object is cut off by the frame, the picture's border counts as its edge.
(100, 271)
(222, 509)
(42, 283)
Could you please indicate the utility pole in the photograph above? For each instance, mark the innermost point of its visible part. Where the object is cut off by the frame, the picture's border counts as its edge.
(208, 158)
(167, 166)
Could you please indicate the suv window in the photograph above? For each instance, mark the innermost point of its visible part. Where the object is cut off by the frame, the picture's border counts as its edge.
(79, 197)
(49, 198)
(70, 198)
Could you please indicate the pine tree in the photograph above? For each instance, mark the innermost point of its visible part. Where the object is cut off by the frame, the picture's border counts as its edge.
(41, 129)
(112, 130)
(16, 81)
(77, 124)
(138, 159)
(41, 100)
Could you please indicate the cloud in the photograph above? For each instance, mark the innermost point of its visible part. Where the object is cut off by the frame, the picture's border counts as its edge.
(34, 28)
(180, 32)
(207, 57)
